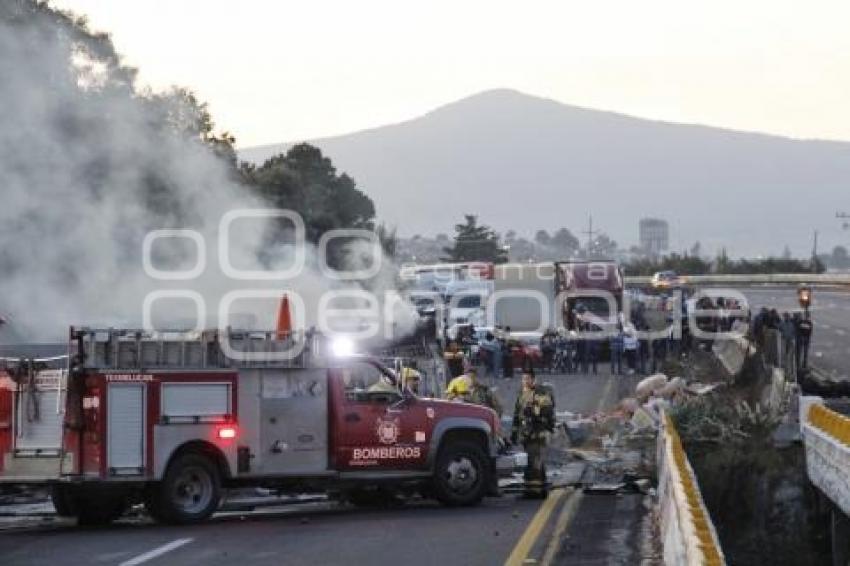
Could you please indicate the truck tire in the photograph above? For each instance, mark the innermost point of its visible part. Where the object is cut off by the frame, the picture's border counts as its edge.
(62, 501)
(190, 492)
(461, 474)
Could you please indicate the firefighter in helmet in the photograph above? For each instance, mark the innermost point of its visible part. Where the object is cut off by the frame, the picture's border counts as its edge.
(459, 388)
(383, 385)
(454, 359)
(481, 393)
(533, 422)
(411, 380)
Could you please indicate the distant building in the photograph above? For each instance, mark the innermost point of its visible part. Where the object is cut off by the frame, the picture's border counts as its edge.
(654, 235)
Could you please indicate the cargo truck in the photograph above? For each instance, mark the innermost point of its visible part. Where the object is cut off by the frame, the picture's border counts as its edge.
(536, 297)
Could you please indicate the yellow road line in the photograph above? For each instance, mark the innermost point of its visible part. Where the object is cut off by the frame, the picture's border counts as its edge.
(535, 527)
(568, 512)
(541, 518)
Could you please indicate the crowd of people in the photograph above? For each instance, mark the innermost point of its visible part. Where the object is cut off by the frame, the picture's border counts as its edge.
(632, 347)
(795, 329)
(625, 350)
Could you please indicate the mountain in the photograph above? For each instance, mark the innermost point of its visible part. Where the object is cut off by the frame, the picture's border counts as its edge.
(524, 162)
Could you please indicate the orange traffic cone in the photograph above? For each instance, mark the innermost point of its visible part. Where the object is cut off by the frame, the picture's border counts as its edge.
(284, 319)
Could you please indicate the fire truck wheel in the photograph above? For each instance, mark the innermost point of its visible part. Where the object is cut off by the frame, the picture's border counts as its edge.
(62, 501)
(189, 493)
(460, 477)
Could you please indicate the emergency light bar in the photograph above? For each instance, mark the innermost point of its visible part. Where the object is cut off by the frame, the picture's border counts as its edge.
(342, 347)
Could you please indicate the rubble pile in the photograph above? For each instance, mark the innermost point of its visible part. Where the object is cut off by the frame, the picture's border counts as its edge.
(615, 450)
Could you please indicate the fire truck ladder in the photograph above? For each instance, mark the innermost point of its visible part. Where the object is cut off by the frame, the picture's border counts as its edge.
(111, 348)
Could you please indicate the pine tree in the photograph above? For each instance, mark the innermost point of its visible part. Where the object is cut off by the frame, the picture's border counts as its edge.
(475, 242)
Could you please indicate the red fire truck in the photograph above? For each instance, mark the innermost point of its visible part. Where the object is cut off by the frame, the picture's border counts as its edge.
(169, 420)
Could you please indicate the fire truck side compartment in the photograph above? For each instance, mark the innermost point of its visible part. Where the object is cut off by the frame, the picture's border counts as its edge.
(283, 415)
(191, 412)
(38, 429)
(126, 429)
(31, 435)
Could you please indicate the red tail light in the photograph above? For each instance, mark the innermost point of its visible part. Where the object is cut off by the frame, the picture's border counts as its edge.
(227, 432)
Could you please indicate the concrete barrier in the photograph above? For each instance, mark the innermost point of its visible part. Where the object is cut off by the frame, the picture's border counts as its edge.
(733, 352)
(826, 436)
(687, 533)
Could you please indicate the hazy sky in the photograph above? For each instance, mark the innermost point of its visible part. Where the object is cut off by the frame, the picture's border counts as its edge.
(277, 71)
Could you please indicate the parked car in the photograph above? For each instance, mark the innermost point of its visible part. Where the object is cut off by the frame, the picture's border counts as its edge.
(467, 308)
(666, 279)
(525, 349)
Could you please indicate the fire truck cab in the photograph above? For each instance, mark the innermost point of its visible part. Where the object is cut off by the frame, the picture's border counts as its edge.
(171, 421)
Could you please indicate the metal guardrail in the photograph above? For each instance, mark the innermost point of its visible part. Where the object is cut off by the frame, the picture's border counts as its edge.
(757, 279)
(687, 533)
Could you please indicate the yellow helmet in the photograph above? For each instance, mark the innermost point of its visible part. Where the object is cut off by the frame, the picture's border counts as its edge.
(458, 386)
(410, 374)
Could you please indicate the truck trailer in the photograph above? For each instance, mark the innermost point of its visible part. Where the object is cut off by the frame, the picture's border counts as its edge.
(536, 297)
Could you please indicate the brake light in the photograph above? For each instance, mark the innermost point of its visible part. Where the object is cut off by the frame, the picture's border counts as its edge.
(227, 432)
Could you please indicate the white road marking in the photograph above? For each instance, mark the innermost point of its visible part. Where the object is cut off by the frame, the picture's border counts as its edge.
(156, 552)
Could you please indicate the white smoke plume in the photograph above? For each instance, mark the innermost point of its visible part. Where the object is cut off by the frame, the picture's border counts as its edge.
(88, 167)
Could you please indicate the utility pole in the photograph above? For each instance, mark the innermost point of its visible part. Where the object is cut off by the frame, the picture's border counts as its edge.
(590, 232)
(815, 254)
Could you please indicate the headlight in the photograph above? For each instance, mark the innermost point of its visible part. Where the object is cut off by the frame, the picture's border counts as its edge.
(342, 346)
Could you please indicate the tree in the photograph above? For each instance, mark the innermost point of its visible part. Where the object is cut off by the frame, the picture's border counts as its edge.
(475, 242)
(696, 249)
(542, 238)
(839, 259)
(564, 240)
(305, 181)
(389, 239)
(722, 264)
(602, 247)
(522, 249)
